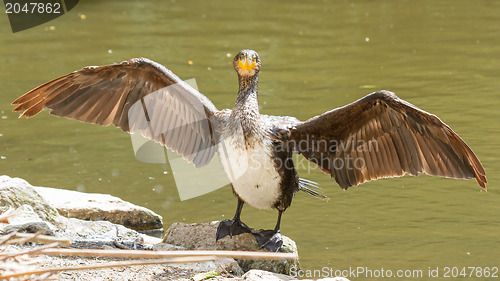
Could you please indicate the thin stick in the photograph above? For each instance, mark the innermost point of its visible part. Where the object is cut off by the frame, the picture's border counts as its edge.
(6, 238)
(23, 239)
(6, 255)
(4, 217)
(110, 264)
(43, 239)
(145, 254)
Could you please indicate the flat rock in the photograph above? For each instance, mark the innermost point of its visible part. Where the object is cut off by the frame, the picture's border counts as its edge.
(260, 275)
(226, 265)
(33, 213)
(96, 207)
(201, 236)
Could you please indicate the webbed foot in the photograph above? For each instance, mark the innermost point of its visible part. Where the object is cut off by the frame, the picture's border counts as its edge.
(231, 228)
(269, 239)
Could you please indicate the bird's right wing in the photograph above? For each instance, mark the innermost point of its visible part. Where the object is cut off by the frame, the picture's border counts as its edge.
(138, 95)
(381, 136)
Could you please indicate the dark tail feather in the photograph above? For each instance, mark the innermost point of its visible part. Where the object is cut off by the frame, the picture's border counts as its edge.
(311, 188)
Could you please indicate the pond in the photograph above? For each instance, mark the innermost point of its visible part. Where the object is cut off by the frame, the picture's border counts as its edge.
(443, 57)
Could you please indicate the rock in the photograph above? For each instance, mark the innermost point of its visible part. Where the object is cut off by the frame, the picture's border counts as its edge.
(221, 265)
(201, 236)
(33, 213)
(167, 247)
(226, 265)
(103, 234)
(16, 192)
(261, 275)
(95, 207)
(25, 219)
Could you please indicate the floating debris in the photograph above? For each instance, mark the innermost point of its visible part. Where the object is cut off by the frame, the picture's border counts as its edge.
(368, 86)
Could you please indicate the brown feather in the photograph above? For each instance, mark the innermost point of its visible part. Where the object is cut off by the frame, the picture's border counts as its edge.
(398, 138)
(105, 94)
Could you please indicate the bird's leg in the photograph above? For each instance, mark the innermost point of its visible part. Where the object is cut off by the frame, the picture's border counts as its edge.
(234, 226)
(270, 239)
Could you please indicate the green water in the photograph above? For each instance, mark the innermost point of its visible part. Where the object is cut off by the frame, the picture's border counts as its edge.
(443, 56)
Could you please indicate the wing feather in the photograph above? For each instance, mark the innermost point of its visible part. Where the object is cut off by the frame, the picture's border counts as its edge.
(134, 95)
(390, 137)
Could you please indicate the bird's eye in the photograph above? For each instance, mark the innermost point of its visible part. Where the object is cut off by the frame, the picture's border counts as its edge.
(254, 58)
(241, 57)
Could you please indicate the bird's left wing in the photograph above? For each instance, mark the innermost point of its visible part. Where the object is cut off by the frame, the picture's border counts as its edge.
(380, 136)
(138, 95)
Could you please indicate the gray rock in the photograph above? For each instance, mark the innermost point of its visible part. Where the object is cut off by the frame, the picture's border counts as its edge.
(25, 219)
(225, 265)
(95, 207)
(201, 236)
(16, 192)
(261, 275)
(167, 247)
(33, 213)
(228, 265)
(103, 234)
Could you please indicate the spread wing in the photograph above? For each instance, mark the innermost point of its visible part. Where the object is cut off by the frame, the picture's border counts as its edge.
(138, 95)
(381, 136)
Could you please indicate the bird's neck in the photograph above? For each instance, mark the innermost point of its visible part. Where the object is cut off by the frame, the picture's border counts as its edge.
(247, 101)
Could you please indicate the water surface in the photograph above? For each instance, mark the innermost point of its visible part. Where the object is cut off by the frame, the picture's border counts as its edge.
(441, 56)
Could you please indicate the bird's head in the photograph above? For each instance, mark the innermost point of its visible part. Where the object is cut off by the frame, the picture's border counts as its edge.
(247, 63)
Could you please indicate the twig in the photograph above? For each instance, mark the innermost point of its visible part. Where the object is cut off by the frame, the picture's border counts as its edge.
(4, 218)
(38, 238)
(111, 264)
(6, 255)
(145, 254)
(17, 239)
(5, 238)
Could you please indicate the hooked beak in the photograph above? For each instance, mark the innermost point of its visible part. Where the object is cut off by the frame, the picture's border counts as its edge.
(245, 65)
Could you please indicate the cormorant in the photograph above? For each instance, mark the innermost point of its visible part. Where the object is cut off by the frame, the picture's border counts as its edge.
(374, 137)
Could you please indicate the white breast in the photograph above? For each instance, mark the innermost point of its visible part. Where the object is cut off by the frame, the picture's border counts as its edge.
(251, 171)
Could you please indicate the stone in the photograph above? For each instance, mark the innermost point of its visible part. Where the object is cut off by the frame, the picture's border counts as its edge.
(95, 207)
(261, 275)
(103, 234)
(226, 265)
(167, 247)
(25, 219)
(34, 213)
(201, 236)
(16, 192)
